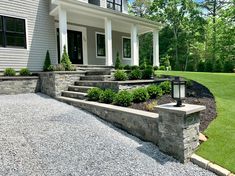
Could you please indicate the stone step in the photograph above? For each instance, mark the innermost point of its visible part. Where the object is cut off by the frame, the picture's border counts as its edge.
(96, 78)
(94, 66)
(82, 89)
(77, 95)
(98, 72)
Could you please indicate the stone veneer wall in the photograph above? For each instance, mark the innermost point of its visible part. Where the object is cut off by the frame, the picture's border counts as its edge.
(19, 85)
(53, 83)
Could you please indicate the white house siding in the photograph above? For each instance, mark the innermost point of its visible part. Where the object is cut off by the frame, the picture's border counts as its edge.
(40, 34)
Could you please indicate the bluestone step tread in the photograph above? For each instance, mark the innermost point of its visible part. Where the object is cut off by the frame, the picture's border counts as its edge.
(83, 89)
(72, 94)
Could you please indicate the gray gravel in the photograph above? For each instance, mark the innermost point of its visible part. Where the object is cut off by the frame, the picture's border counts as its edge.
(41, 136)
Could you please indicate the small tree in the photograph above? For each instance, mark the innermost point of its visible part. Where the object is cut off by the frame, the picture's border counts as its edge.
(65, 61)
(47, 62)
(118, 64)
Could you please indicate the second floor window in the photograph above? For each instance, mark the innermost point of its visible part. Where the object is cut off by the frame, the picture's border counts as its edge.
(115, 5)
(95, 2)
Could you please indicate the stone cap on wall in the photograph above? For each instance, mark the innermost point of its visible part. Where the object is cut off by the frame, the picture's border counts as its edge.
(185, 110)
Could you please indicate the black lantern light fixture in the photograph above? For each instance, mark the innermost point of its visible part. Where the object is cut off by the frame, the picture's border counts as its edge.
(178, 90)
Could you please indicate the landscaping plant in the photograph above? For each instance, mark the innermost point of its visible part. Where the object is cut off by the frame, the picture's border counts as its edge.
(9, 72)
(120, 75)
(134, 67)
(58, 67)
(107, 96)
(94, 94)
(25, 72)
(140, 95)
(135, 74)
(166, 87)
(47, 62)
(147, 72)
(118, 64)
(127, 67)
(65, 61)
(123, 98)
(154, 91)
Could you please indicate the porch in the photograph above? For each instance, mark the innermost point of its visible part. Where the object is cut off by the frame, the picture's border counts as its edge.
(94, 35)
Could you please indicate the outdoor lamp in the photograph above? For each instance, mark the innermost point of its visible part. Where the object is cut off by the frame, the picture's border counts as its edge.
(178, 90)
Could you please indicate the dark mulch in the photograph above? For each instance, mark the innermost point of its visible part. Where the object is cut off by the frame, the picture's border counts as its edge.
(196, 94)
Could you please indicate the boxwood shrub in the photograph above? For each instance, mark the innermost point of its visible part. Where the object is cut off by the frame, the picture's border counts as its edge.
(94, 94)
(127, 67)
(107, 96)
(147, 72)
(123, 98)
(25, 72)
(140, 95)
(120, 75)
(9, 72)
(135, 74)
(166, 87)
(154, 91)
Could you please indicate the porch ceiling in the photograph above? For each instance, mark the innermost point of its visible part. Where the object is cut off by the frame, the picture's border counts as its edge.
(91, 15)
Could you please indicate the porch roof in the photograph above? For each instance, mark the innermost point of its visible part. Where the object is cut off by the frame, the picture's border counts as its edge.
(92, 15)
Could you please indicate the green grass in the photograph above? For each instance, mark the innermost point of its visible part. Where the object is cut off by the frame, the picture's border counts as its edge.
(220, 147)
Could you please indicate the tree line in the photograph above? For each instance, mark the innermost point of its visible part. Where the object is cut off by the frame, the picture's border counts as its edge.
(197, 36)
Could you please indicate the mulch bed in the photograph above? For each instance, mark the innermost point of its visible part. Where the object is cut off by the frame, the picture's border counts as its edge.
(196, 94)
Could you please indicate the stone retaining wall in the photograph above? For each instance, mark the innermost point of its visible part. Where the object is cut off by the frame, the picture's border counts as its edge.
(19, 85)
(53, 83)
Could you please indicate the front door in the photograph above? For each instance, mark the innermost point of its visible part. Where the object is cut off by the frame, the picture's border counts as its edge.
(75, 50)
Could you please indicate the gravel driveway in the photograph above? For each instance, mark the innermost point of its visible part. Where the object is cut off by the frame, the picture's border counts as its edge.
(41, 136)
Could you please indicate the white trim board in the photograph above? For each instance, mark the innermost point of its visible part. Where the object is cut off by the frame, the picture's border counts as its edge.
(83, 30)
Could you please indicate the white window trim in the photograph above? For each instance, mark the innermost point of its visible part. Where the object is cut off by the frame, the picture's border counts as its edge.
(26, 32)
(83, 30)
(128, 59)
(96, 47)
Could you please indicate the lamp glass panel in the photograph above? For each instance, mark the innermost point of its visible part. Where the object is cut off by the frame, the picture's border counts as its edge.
(176, 92)
(182, 91)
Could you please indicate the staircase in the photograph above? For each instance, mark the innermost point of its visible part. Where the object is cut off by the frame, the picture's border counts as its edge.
(93, 75)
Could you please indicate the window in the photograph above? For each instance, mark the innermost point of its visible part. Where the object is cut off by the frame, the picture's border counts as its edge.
(126, 43)
(95, 2)
(12, 32)
(100, 45)
(115, 5)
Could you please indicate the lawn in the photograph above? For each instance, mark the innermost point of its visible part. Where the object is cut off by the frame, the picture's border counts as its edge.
(220, 147)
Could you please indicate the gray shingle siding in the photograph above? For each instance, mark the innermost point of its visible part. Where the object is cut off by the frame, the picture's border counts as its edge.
(40, 34)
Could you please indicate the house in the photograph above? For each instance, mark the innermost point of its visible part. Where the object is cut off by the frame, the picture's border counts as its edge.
(93, 31)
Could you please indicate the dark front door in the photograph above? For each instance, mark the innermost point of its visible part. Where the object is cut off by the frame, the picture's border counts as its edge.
(74, 46)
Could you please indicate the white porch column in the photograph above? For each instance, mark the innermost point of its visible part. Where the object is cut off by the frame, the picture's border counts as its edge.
(108, 42)
(156, 48)
(63, 30)
(134, 45)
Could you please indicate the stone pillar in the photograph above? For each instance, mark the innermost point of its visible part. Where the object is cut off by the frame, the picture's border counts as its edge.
(179, 130)
(108, 42)
(134, 45)
(156, 61)
(63, 30)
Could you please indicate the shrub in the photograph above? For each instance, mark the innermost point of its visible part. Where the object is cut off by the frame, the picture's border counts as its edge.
(47, 62)
(127, 67)
(201, 66)
(155, 68)
(154, 91)
(228, 66)
(218, 66)
(189, 83)
(134, 67)
(9, 72)
(65, 61)
(123, 98)
(94, 94)
(166, 87)
(50, 68)
(118, 64)
(147, 72)
(107, 96)
(208, 65)
(162, 67)
(120, 75)
(135, 74)
(140, 95)
(150, 106)
(25, 72)
(58, 67)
